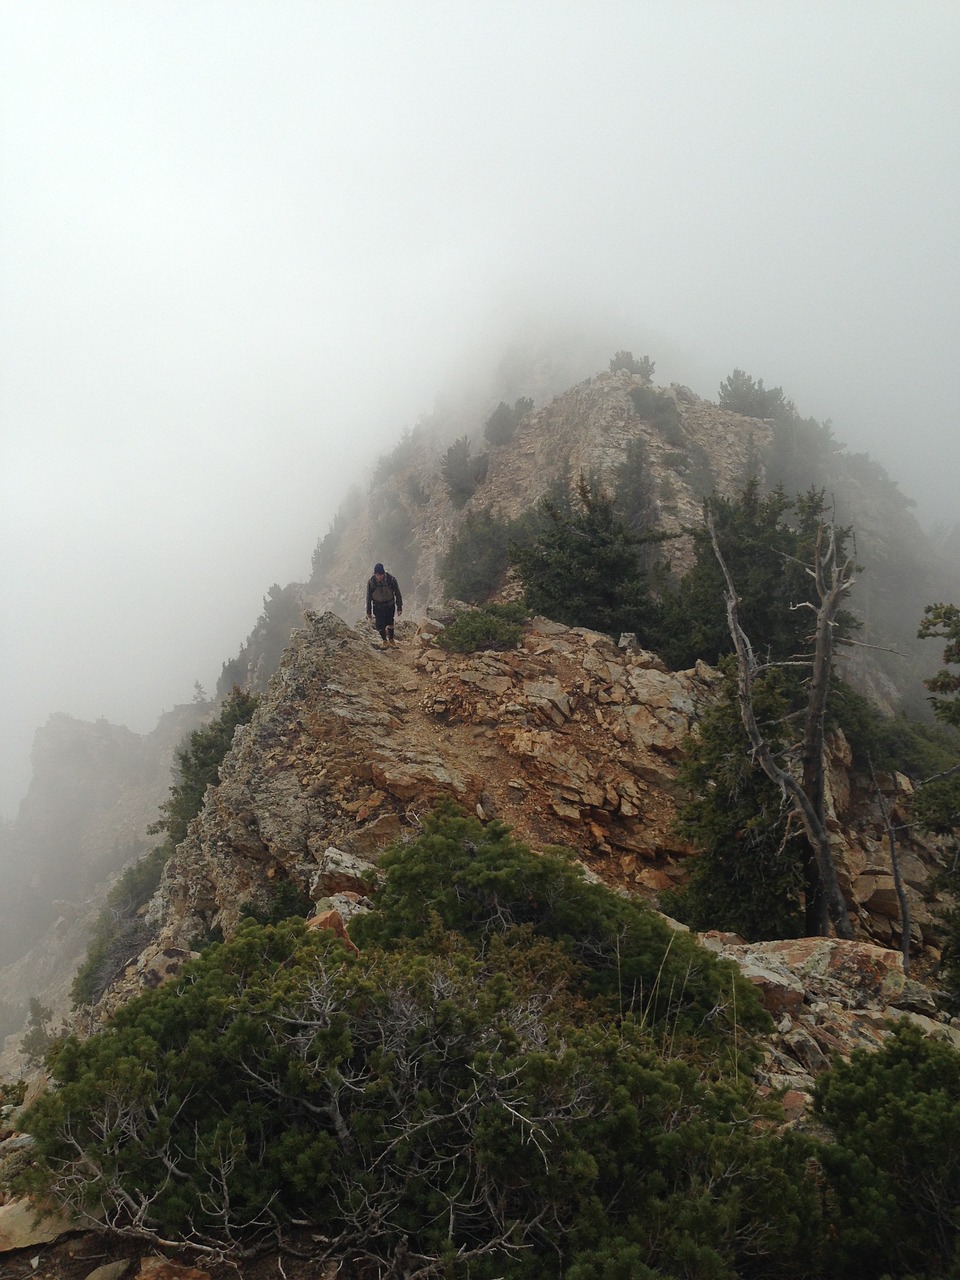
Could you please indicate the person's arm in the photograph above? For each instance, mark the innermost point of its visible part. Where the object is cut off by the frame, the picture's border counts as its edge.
(397, 596)
(369, 598)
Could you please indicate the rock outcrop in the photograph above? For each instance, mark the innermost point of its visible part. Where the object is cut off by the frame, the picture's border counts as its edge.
(827, 997)
(585, 429)
(569, 738)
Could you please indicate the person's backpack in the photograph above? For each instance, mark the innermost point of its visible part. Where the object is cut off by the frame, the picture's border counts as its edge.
(383, 592)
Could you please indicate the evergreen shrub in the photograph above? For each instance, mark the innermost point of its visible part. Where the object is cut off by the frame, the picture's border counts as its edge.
(282, 900)
(748, 877)
(635, 487)
(502, 424)
(403, 455)
(660, 410)
(521, 1076)
(741, 394)
(120, 931)
(480, 881)
(492, 626)
(462, 472)
(477, 558)
(643, 367)
(895, 1168)
(584, 565)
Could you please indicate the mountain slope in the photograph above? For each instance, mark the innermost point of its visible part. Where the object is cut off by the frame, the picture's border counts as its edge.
(569, 739)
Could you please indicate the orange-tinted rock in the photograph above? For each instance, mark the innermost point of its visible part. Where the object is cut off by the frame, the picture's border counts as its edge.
(333, 921)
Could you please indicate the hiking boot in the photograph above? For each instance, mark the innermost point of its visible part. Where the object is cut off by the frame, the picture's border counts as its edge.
(393, 643)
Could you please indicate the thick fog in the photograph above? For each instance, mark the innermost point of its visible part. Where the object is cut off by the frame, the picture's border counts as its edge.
(242, 245)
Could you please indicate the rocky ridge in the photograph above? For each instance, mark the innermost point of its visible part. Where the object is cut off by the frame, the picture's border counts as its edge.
(586, 429)
(570, 739)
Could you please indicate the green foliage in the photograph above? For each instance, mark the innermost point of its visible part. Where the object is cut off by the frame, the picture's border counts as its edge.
(326, 549)
(643, 367)
(280, 901)
(896, 1167)
(479, 881)
(477, 558)
(936, 803)
(942, 622)
(121, 931)
(261, 653)
(802, 453)
(402, 456)
(428, 1105)
(748, 878)
(461, 472)
(932, 807)
(328, 546)
(891, 742)
(492, 626)
(534, 522)
(635, 488)
(585, 569)
(12, 1092)
(767, 554)
(198, 764)
(522, 1076)
(502, 424)
(693, 464)
(415, 491)
(38, 1038)
(394, 535)
(660, 410)
(740, 394)
(12, 1015)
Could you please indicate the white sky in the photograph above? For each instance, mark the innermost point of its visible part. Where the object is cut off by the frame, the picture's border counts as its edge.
(243, 244)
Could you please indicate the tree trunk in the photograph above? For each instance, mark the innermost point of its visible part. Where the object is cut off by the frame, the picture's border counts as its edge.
(824, 902)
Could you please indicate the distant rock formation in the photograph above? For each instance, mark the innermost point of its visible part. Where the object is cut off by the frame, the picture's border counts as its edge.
(95, 790)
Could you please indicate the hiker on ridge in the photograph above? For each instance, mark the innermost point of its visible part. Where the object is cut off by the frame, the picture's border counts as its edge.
(383, 599)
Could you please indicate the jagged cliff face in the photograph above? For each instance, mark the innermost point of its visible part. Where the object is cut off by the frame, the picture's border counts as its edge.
(587, 429)
(570, 739)
(94, 791)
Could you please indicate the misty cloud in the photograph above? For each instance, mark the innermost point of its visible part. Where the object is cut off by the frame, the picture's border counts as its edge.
(244, 245)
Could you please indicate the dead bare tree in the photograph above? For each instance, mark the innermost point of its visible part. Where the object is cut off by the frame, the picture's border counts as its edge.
(833, 580)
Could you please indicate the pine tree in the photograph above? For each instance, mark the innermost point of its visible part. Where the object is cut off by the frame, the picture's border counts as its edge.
(584, 568)
(748, 878)
(198, 766)
(767, 542)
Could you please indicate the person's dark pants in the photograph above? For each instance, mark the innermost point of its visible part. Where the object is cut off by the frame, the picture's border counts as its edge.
(383, 616)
